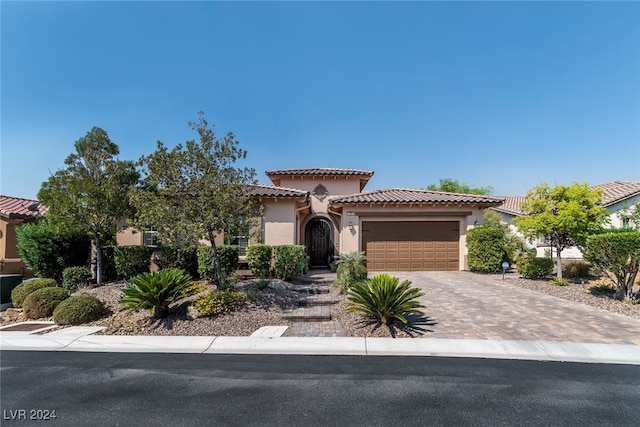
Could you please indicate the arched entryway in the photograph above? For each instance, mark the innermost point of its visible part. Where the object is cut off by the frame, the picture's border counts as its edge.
(319, 242)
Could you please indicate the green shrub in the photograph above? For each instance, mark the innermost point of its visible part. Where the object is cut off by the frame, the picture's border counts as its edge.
(486, 249)
(384, 298)
(132, 260)
(259, 259)
(74, 277)
(602, 290)
(42, 302)
(228, 255)
(576, 270)
(20, 292)
(289, 261)
(182, 257)
(48, 252)
(617, 254)
(218, 302)
(559, 282)
(534, 268)
(109, 271)
(155, 291)
(78, 309)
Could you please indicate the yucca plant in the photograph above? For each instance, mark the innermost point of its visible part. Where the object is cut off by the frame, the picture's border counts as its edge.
(385, 298)
(155, 291)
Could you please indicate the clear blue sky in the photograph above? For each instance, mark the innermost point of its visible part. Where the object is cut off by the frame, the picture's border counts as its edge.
(501, 94)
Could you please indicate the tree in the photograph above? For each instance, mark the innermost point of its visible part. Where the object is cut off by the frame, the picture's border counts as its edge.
(564, 215)
(453, 186)
(91, 192)
(195, 191)
(617, 254)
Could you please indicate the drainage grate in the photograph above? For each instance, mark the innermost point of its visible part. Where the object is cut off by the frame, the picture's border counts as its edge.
(24, 327)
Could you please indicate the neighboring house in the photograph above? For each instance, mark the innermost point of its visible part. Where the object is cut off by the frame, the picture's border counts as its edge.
(14, 212)
(619, 197)
(325, 210)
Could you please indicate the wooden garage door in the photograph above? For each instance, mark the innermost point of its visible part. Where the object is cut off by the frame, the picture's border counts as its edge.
(411, 245)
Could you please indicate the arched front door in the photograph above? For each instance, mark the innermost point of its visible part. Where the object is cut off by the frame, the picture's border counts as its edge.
(319, 242)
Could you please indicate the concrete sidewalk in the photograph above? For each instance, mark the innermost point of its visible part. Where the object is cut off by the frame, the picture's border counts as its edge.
(82, 339)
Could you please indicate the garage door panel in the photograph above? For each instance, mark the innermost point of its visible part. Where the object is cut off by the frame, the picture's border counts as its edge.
(411, 246)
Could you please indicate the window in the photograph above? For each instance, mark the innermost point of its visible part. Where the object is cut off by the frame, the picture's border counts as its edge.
(242, 242)
(150, 236)
(625, 223)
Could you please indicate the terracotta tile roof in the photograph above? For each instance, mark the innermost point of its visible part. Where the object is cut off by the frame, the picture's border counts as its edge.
(320, 171)
(410, 196)
(17, 208)
(511, 205)
(617, 191)
(273, 191)
(612, 193)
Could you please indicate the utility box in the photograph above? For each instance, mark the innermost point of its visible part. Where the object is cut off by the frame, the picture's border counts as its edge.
(8, 283)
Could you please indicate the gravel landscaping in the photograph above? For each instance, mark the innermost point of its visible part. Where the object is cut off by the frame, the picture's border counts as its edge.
(266, 307)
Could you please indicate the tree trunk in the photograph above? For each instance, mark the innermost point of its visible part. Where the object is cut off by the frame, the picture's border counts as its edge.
(215, 261)
(98, 244)
(559, 263)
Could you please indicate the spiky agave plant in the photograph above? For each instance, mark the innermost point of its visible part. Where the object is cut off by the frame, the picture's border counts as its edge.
(385, 298)
(155, 291)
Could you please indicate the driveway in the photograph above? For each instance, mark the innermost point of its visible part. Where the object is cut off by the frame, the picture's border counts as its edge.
(461, 305)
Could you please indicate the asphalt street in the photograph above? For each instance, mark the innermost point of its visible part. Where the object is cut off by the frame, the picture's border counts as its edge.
(139, 389)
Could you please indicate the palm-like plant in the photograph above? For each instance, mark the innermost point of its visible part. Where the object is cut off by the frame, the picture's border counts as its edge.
(385, 298)
(351, 268)
(155, 291)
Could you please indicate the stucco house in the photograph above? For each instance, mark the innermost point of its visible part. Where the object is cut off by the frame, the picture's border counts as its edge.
(618, 197)
(15, 211)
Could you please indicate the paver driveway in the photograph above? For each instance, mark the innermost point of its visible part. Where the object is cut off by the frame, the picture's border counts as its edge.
(460, 305)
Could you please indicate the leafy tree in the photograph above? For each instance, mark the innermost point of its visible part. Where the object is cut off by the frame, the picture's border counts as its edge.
(565, 215)
(48, 252)
(195, 191)
(617, 254)
(453, 186)
(91, 192)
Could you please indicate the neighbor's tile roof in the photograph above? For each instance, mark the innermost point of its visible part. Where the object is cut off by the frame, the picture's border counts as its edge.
(617, 191)
(320, 171)
(18, 208)
(273, 191)
(511, 205)
(612, 193)
(410, 196)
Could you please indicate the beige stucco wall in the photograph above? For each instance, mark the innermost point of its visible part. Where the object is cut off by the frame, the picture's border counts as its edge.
(129, 236)
(351, 225)
(335, 187)
(279, 222)
(10, 261)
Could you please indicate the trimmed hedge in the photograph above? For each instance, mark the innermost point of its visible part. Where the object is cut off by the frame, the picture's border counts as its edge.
(534, 268)
(20, 292)
(73, 277)
(78, 309)
(486, 249)
(259, 260)
(42, 302)
(182, 257)
(289, 261)
(227, 256)
(132, 260)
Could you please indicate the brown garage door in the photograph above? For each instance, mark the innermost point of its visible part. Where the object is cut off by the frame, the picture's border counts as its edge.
(411, 245)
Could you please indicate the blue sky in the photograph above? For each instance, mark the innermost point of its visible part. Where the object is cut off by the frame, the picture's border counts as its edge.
(501, 94)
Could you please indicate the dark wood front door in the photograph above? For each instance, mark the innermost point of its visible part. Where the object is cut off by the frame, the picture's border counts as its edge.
(319, 242)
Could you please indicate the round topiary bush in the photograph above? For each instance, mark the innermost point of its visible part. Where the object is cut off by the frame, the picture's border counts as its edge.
(78, 309)
(20, 292)
(42, 302)
(74, 277)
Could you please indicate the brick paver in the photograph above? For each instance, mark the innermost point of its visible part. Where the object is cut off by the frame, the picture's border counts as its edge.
(465, 305)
